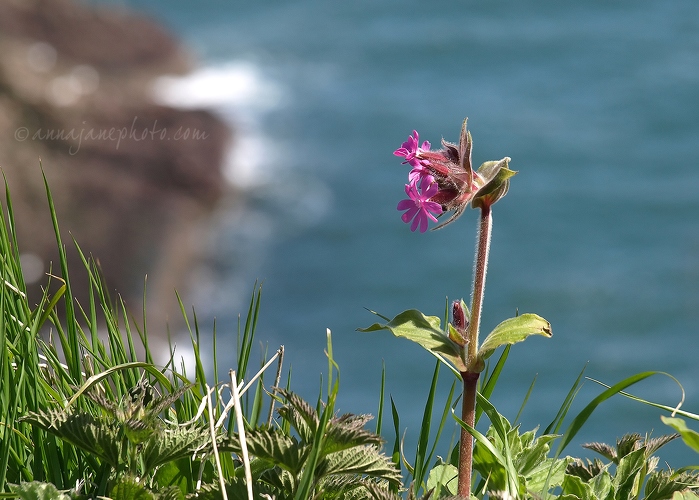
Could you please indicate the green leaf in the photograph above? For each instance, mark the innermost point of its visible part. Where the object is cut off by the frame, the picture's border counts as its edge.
(582, 417)
(300, 414)
(662, 484)
(532, 455)
(426, 331)
(573, 485)
(347, 431)
(501, 427)
(514, 330)
(36, 490)
(685, 495)
(127, 488)
(443, 479)
(548, 473)
(627, 471)
(168, 445)
(177, 473)
(487, 459)
(271, 445)
(689, 436)
(101, 438)
(601, 484)
(361, 460)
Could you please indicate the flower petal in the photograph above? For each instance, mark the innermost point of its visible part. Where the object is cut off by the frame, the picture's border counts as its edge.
(410, 214)
(405, 204)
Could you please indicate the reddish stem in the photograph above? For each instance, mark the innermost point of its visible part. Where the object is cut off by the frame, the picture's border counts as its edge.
(468, 415)
(470, 376)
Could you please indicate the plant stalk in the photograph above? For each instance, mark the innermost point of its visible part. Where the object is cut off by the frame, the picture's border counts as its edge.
(470, 376)
(480, 269)
(468, 415)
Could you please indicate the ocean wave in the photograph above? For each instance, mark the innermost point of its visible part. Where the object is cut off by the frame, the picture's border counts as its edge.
(242, 95)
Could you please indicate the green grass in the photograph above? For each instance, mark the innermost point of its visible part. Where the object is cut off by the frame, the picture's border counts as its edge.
(80, 388)
(76, 392)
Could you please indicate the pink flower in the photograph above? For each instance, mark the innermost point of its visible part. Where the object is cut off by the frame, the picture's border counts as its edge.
(411, 151)
(418, 207)
(445, 178)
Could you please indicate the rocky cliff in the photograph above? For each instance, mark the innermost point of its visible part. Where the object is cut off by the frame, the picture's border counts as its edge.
(132, 181)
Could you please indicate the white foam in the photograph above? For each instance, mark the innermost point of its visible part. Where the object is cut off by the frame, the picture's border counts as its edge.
(235, 83)
(242, 95)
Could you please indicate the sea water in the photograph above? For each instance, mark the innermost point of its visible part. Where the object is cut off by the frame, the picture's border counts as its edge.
(597, 104)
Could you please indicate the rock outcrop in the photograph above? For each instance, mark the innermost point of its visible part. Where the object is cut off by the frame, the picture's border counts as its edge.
(132, 181)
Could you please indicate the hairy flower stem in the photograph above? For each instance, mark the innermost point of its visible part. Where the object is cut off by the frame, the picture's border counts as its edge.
(468, 415)
(479, 271)
(470, 376)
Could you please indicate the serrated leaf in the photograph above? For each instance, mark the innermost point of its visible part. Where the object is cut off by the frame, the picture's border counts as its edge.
(348, 431)
(339, 438)
(604, 449)
(127, 488)
(168, 445)
(514, 330)
(99, 437)
(547, 473)
(137, 431)
(301, 415)
(664, 483)
(351, 420)
(273, 446)
(349, 487)
(236, 488)
(379, 492)
(585, 470)
(170, 493)
(158, 405)
(654, 444)
(101, 400)
(425, 331)
(361, 460)
(279, 479)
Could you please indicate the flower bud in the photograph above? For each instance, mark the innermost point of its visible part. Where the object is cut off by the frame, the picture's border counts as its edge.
(460, 321)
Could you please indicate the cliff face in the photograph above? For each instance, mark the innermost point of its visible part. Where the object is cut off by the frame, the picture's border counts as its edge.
(132, 181)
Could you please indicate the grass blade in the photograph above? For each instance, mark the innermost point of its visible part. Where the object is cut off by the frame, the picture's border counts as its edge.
(379, 413)
(555, 425)
(423, 441)
(582, 417)
(492, 379)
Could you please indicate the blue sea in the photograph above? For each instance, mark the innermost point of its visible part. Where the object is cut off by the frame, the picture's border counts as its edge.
(597, 104)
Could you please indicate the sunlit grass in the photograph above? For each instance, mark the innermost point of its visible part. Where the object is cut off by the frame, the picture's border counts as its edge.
(87, 412)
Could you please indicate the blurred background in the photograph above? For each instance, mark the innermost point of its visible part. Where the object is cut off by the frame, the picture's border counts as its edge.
(302, 104)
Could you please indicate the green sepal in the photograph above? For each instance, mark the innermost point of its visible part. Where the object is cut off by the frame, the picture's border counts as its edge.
(513, 330)
(495, 177)
(456, 336)
(426, 331)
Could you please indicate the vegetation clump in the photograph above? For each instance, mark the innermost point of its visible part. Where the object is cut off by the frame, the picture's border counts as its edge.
(85, 411)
